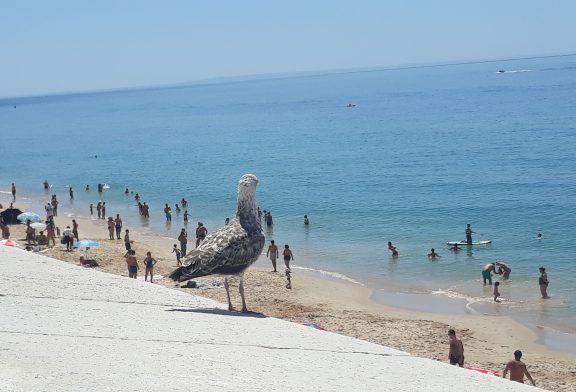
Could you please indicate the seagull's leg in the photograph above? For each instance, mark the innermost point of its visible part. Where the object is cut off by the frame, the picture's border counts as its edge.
(241, 289)
(226, 286)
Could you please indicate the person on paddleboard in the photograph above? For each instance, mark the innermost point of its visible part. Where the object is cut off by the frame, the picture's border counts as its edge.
(468, 233)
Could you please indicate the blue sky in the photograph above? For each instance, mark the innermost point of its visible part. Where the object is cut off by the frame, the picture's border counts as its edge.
(62, 46)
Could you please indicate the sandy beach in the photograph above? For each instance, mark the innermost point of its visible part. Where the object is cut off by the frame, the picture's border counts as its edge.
(339, 307)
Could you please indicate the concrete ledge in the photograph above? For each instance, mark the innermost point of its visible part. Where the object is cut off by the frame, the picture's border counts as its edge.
(67, 328)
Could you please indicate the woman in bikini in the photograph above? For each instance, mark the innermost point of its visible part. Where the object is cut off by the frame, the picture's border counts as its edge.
(287, 256)
(149, 263)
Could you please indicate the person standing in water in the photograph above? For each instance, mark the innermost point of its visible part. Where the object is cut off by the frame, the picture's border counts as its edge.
(392, 249)
(468, 233)
(543, 282)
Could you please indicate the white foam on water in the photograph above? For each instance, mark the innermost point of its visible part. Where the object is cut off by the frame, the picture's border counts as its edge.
(335, 275)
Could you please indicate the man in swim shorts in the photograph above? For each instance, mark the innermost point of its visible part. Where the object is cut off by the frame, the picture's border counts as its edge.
(456, 352)
(487, 273)
(132, 264)
(273, 254)
(468, 233)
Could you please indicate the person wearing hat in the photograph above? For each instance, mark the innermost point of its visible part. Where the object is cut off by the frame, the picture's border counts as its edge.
(543, 282)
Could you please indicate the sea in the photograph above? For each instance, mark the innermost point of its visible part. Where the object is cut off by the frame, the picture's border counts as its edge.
(406, 154)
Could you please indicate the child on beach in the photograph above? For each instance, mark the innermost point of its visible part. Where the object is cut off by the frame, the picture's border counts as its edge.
(496, 292)
(178, 254)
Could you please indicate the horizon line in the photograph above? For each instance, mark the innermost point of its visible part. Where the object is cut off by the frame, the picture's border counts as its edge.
(285, 75)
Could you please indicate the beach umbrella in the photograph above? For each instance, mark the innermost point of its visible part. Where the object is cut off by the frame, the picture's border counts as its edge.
(86, 244)
(38, 226)
(8, 243)
(29, 216)
(10, 216)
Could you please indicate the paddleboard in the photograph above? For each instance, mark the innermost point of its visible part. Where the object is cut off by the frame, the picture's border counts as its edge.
(464, 243)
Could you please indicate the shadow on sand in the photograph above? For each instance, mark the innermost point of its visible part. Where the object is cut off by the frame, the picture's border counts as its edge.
(221, 312)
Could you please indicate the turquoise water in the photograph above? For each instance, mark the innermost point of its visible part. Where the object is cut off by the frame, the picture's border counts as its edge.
(423, 152)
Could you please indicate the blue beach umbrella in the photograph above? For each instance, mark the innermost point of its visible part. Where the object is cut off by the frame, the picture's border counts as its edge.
(29, 216)
(86, 244)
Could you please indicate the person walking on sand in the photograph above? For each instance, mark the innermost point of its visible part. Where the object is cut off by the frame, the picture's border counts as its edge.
(543, 282)
(103, 210)
(201, 232)
(168, 213)
(54, 203)
(110, 228)
(50, 233)
(118, 226)
(456, 351)
(392, 249)
(127, 241)
(91, 209)
(178, 254)
(99, 209)
(68, 238)
(433, 255)
(287, 253)
(272, 252)
(468, 233)
(149, 262)
(517, 369)
(75, 229)
(132, 263)
(183, 238)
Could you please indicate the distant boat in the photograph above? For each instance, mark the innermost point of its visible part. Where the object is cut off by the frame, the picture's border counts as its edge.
(500, 71)
(351, 105)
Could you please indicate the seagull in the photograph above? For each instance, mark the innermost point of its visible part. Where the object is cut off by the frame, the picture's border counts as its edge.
(231, 249)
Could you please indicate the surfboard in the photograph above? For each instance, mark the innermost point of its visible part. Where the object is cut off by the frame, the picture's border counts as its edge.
(464, 243)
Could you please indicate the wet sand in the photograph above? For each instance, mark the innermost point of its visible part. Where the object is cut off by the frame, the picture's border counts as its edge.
(341, 307)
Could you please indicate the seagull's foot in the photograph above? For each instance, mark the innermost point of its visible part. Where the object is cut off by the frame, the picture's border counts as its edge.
(244, 309)
(231, 308)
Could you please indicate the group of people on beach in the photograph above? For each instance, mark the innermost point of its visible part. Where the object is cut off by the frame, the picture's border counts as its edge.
(515, 367)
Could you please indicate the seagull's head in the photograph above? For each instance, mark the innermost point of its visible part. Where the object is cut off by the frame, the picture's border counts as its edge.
(247, 191)
(247, 182)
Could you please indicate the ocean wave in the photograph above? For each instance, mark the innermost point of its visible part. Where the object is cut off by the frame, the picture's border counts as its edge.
(335, 275)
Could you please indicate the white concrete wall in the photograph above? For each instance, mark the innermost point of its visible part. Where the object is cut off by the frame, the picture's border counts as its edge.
(67, 328)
